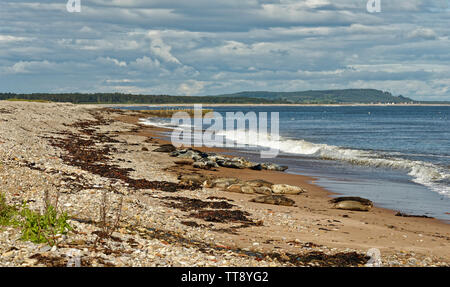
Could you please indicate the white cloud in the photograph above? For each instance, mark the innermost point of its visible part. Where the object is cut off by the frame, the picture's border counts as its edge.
(146, 63)
(191, 87)
(201, 47)
(113, 61)
(10, 38)
(160, 49)
(25, 67)
(423, 33)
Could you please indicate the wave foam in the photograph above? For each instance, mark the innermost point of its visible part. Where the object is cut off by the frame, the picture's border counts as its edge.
(435, 177)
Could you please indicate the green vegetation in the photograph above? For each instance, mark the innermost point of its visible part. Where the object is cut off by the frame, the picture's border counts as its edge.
(348, 96)
(35, 227)
(117, 98)
(7, 212)
(43, 228)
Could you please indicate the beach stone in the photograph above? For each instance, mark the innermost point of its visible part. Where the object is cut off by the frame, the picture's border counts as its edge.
(274, 199)
(286, 189)
(166, 148)
(352, 203)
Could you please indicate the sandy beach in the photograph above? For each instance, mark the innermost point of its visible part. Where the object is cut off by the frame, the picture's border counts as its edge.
(84, 153)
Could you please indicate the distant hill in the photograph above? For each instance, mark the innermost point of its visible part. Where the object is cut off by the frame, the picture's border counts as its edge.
(347, 96)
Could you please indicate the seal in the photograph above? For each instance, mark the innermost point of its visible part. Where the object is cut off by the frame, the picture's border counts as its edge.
(353, 203)
(274, 199)
(286, 189)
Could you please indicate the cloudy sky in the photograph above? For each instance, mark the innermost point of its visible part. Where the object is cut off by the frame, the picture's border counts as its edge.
(204, 47)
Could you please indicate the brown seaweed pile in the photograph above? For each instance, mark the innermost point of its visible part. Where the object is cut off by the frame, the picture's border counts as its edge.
(186, 203)
(90, 151)
(318, 258)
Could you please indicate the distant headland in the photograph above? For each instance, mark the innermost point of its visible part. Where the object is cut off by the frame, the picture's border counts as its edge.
(345, 96)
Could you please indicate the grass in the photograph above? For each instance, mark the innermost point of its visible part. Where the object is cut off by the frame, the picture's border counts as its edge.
(35, 226)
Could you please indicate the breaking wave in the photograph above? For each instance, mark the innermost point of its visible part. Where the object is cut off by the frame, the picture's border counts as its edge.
(436, 177)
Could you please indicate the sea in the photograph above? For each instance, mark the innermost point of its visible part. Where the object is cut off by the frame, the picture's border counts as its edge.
(396, 156)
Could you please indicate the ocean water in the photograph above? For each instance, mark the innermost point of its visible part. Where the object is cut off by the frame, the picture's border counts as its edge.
(397, 156)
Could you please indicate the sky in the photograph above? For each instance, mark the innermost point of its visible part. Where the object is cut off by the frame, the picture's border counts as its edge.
(208, 47)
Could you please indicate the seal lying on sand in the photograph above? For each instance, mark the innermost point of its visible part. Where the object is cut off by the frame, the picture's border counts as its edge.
(192, 179)
(274, 199)
(165, 148)
(352, 203)
(286, 189)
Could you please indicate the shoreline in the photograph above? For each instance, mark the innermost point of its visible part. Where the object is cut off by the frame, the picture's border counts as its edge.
(277, 177)
(311, 178)
(83, 152)
(309, 182)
